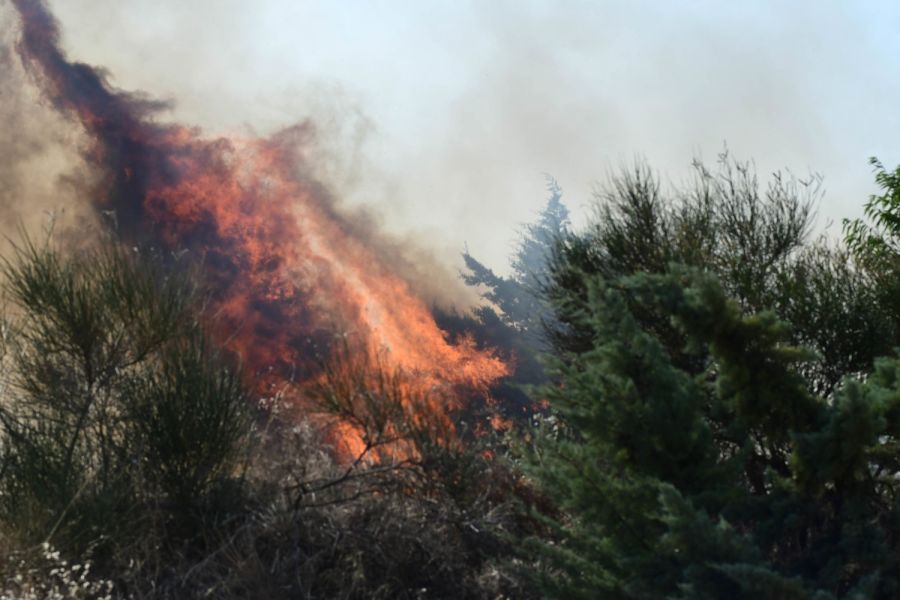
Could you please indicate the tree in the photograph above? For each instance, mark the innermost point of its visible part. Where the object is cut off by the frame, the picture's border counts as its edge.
(517, 317)
(875, 240)
(114, 404)
(754, 241)
(880, 237)
(734, 482)
(519, 297)
(725, 407)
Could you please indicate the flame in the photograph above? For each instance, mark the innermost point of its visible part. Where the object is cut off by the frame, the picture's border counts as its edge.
(284, 270)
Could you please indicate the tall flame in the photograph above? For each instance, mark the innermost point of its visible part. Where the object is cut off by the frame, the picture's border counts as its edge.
(283, 267)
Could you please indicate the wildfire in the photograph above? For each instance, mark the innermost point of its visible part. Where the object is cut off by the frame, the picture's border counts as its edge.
(285, 272)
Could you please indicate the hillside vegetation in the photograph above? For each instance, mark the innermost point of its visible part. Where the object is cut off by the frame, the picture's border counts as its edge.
(707, 405)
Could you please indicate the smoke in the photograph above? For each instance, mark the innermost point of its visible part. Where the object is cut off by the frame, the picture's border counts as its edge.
(47, 174)
(577, 89)
(43, 179)
(446, 116)
(468, 103)
(285, 267)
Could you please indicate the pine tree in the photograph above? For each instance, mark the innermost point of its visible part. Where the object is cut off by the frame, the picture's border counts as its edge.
(519, 297)
(735, 482)
(726, 400)
(517, 314)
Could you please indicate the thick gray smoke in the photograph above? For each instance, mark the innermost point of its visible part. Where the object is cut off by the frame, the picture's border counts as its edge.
(469, 102)
(444, 116)
(48, 175)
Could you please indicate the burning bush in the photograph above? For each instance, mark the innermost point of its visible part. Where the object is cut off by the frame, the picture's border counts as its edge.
(284, 268)
(123, 429)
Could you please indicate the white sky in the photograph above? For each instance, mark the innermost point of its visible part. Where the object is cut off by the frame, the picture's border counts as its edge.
(444, 115)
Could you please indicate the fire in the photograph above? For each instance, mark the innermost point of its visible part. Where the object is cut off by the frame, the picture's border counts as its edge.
(285, 272)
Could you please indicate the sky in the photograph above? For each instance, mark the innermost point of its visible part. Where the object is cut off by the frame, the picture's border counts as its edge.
(444, 117)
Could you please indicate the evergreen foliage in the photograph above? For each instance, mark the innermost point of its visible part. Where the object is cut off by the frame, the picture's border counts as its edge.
(732, 482)
(519, 297)
(725, 401)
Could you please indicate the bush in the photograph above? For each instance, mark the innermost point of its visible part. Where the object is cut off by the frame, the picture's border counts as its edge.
(116, 411)
(123, 432)
(739, 483)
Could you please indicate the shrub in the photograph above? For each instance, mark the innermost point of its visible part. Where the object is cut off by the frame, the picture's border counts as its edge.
(116, 411)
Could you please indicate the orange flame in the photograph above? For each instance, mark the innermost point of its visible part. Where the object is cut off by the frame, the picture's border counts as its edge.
(282, 266)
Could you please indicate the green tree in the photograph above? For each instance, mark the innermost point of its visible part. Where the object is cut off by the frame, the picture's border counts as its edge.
(754, 240)
(880, 236)
(725, 413)
(519, 297)
(875, 240)
(517, 315)
(732, 482)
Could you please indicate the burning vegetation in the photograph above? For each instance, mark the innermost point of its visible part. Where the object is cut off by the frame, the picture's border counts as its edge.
(233, 392)
(286, 275)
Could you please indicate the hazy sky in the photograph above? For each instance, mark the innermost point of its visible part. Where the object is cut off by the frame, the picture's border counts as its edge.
(446, 115)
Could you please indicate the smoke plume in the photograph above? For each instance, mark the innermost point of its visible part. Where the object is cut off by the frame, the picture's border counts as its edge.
(285, 269)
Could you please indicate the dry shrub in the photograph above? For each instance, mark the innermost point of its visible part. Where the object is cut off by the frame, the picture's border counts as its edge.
(122, 435)
(440, 525)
